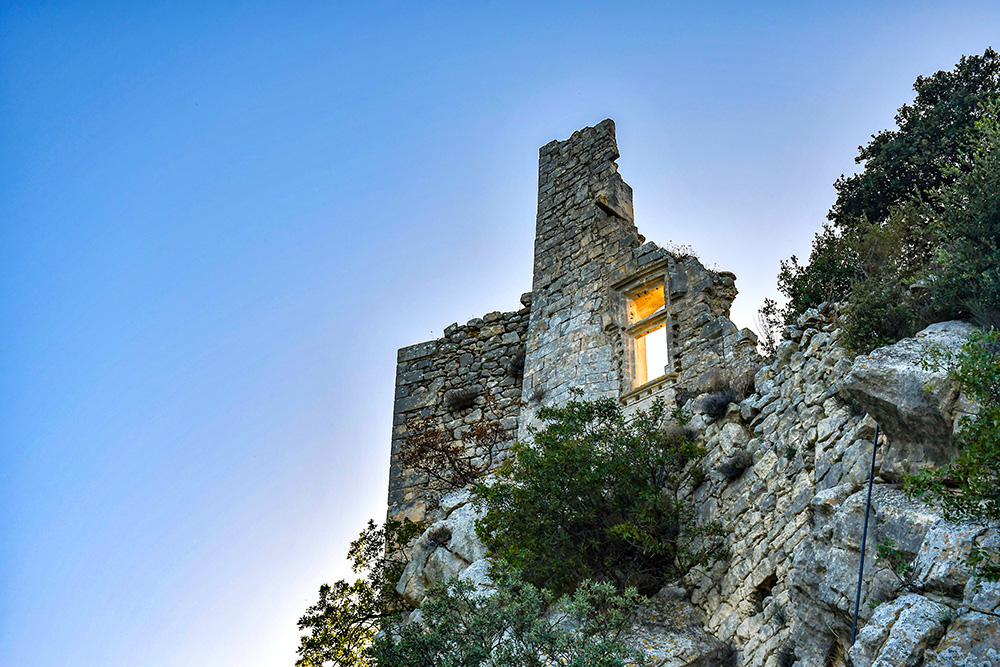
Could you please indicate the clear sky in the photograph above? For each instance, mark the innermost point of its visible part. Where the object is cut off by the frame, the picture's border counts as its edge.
(220, 221)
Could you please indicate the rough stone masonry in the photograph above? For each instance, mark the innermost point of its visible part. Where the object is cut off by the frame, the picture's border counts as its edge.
(579, 328)
(603, 301)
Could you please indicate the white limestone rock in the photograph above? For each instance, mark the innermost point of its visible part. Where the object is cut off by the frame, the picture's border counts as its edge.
(444, 550)
(914, 404)
(940, 564)
(900, 632)
(478, 574)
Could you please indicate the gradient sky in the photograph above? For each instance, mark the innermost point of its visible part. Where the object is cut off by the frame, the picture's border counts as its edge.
(220, 221)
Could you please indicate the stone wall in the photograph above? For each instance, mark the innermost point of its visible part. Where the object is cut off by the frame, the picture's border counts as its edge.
(573, 330)
(588, 254)
(796, 516)
(584, 238)
(802, 438)
(794, 511)
(477, 357)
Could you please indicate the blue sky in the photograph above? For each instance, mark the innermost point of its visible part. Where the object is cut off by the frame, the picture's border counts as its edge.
(218, 222)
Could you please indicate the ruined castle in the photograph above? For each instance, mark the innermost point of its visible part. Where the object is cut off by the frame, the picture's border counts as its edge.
(613, 316)
(609, 314)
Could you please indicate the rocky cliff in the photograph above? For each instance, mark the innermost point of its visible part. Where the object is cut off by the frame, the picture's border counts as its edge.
(786, 596)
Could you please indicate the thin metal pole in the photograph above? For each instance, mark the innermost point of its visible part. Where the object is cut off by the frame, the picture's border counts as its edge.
(864, 538)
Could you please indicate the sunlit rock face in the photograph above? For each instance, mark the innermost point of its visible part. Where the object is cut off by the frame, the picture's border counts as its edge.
(803, 430)
(910, 396)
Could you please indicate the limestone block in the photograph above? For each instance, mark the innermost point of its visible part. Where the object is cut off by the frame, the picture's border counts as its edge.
(899, 633)
(914, 405)
(940, 564)
(478, 574)
(894, 516)
(972, 640)
(443, 551)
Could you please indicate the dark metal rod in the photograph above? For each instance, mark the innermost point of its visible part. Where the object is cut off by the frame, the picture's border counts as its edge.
(864, 537)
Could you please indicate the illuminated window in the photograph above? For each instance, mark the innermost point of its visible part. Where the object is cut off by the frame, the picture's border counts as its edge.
(647, 333)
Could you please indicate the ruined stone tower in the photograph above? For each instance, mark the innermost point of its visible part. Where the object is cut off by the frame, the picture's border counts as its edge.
(608, 314)
(785, 466)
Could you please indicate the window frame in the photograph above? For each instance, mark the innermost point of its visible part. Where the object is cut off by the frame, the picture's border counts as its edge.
(627, 291)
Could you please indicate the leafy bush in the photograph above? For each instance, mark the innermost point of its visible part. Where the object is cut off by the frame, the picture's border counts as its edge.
(915, 236)
(343, 622)
(901, 566)
(519, 625)
(876, 316)
(968, 489)
(598, 496)
(933, 130)
(966, 280)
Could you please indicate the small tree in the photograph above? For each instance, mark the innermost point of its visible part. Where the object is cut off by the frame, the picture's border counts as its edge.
(922, 210)
(598, 496)
(768, 322)
(519, 625)
(343, 622)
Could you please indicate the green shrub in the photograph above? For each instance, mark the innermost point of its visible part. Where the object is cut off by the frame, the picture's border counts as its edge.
(877, 315)
(914, 237)
(966, 277)
(519, 625)
(901, 566)
(827, 276)
(968, 489)
(598, 496)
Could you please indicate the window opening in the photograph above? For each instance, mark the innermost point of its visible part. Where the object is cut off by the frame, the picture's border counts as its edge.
(645, 304)
(650, 355)
(647, 317)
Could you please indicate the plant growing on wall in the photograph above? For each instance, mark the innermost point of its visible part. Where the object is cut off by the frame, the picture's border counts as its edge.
(597, 495)
(455, 462)
(519, 625)
(968, 489)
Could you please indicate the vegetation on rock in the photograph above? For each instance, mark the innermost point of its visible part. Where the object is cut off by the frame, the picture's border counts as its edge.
(519, 625)
(342, 624)
(598, 496)
(915, 236)
(968, 489)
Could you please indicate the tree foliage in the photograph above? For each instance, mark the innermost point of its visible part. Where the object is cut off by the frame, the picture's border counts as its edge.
(598, 496)
(913, 237)
(518, 625)
(968, 489)
(912, 161)
(966, 278)
(347, 616)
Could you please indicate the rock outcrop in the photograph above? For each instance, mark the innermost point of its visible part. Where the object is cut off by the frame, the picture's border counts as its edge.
(910, 396)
